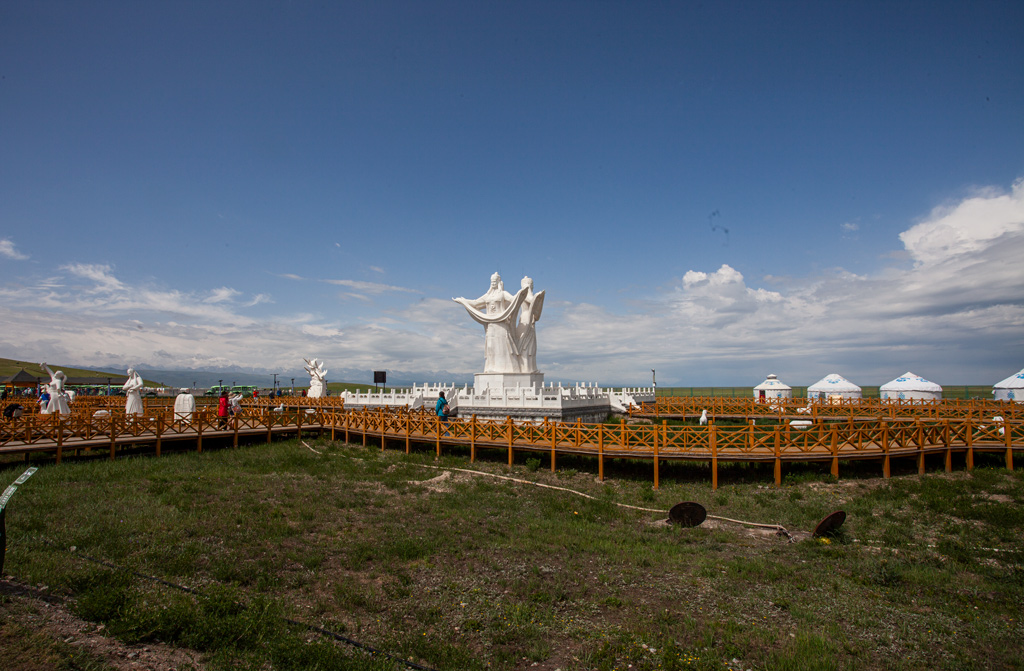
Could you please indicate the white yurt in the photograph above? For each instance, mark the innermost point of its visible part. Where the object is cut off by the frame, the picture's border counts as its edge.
(1010, 389)
(831, 387)
(773, 387)
(910, 386)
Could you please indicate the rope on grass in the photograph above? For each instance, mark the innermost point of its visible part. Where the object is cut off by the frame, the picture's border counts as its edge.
(777, 527)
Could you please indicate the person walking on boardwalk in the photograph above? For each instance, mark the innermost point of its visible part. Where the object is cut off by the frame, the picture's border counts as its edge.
(442, 408)
(222, 409)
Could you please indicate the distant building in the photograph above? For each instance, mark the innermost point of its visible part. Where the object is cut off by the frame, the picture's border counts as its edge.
(910, 387)
(772, 387)
(1010, 389)
(833, 386)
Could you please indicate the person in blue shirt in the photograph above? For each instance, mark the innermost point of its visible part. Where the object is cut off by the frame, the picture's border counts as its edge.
(442, 407)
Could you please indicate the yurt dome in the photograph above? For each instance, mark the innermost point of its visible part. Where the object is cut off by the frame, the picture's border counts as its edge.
(773, 387)
(1010, 389)
(833, 386)
(910, 386)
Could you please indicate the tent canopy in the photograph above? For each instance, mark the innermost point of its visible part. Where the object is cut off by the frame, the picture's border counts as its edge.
(910, 382)
(834, 383)
(772, 382)
(1015, 381)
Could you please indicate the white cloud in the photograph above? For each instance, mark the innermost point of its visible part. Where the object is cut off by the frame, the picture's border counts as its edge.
(849, 227)
(221, 295)
(955, 314)
(969, 226)
(7, 249)
(370, 287)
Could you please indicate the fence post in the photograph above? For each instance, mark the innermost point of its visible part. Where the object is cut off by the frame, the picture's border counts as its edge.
(437, 431)
(554, 437)
(408, 430)
(970, 445)
(885, 448)
(657, 431)
(835, 451)
(600, 452)
(949, 450)
(714, 455)
(113, 437)
(159, 431)
(778, 459)
(60, 442)
(920, 446)
(1007, 430)
(509, 432)
(472, 439)
(199, 430)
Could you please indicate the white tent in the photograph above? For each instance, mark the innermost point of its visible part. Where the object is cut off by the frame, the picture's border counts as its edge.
(910, 386)
(773, 387)
(833, 386)
(1010, 389)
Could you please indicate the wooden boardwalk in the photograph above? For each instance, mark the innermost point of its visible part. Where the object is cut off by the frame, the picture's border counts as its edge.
(958, 434)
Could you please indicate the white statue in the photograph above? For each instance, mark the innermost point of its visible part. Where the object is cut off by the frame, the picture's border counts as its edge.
(497, 311)
(526, 332)
(132, 389)
(184, 406)
(317, 378)
(58, 399)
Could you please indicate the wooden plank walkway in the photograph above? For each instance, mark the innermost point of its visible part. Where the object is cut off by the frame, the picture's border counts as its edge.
(831, 440)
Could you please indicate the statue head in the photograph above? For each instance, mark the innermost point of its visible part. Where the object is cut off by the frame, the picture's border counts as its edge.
(495, 280)
(131, 371)
(60, 375)
(527, 282)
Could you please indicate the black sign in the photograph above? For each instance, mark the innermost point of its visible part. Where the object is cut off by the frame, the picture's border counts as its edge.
(380, 377)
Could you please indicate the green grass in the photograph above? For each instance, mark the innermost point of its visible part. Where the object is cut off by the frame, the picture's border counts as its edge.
(467, 572)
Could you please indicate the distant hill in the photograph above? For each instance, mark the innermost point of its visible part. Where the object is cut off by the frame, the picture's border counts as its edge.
(9, 367)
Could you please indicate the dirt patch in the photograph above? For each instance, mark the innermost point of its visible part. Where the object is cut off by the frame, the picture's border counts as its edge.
(57, 629)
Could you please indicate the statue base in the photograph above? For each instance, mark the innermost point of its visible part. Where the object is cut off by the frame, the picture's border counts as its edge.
(483, 381)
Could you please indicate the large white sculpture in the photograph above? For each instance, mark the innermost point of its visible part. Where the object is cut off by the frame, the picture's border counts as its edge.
(498, 311)
(133, 390)
(184, 406)
(317, 378)
(58, 398)
(526, 332)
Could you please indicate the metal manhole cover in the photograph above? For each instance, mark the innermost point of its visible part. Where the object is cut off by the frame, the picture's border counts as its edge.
(688, 514)
(830, 523)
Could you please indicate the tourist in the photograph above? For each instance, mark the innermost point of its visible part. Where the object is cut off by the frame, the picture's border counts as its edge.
(442, 407)
(222, 409)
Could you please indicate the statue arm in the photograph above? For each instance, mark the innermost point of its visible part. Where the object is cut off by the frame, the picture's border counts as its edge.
(48, 371)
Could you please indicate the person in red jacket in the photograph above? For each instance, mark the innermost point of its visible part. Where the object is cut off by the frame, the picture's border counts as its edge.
(222, 409)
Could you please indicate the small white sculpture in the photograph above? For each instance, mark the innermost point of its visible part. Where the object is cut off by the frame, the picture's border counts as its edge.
(58, 398)
(317, 378)
(235, 403)
(132, 389)
(184, 406)
(497, 311)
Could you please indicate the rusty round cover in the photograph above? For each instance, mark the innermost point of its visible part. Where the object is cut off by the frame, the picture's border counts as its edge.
(688, 514)
(830, 523)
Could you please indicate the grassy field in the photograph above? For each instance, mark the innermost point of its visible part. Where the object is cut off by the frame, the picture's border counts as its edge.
(461, 571)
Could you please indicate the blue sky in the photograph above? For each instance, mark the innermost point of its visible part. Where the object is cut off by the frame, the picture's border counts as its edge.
(714, 190)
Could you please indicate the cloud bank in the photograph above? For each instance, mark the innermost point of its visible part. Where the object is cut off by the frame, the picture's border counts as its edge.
(954, 313)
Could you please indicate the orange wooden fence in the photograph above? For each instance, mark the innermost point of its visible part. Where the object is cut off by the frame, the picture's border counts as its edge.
(831, 440)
